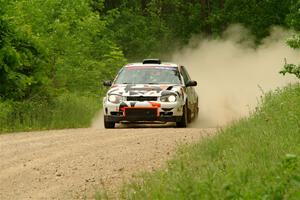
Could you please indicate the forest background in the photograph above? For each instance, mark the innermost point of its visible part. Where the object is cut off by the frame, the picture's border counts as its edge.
(54, 54)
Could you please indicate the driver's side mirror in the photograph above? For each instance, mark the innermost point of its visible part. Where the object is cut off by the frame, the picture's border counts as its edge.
(191, 83)
(107, 83)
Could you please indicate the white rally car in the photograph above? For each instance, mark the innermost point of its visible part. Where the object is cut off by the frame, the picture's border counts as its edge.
(150, 92)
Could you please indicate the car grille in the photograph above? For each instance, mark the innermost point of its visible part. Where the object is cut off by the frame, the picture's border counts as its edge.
(141, 98)
(141, 114)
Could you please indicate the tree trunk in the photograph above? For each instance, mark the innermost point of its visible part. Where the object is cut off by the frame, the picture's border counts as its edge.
(205, 11)
(144, 6)
(222, 3)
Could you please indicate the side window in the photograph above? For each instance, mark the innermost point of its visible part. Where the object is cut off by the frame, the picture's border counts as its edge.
(185, 75)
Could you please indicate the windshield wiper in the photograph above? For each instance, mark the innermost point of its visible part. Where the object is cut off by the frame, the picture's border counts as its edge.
(152, 83)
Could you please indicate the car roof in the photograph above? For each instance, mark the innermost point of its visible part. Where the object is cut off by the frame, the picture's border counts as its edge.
(164, 64)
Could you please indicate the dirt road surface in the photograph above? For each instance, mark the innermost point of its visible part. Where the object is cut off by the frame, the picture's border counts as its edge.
(73, 164)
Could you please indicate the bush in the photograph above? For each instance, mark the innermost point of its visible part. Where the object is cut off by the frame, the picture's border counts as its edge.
(65, 111)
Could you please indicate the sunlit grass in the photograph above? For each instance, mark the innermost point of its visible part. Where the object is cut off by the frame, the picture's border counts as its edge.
(65, 111)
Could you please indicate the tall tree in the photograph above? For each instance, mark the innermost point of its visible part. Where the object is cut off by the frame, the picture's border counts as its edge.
(78, 49)
(22, 62)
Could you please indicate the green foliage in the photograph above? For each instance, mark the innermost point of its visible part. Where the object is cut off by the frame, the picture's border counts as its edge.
(22, 71)
(157, 27)
(257, 15)
(294, 15)
(79, 54)
(291, 69)
(66, 111)
(51, 52)
(51, 48)
(255, 158)
(294, 22)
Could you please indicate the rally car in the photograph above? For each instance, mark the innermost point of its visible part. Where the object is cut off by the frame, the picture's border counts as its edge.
(150, 92)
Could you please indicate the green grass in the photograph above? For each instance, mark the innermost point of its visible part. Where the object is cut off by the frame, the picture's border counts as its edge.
(254, 158)
(65, 111)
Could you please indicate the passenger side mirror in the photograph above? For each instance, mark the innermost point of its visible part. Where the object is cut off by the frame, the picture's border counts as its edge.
(107, 83)
(191, 84)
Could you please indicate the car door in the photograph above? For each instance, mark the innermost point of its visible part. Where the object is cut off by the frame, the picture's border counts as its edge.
(190, 91)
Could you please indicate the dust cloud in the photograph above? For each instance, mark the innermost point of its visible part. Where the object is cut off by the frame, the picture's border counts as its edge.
(97, 122)
(232, 74)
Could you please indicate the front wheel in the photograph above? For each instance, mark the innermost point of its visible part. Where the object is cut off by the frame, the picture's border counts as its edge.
(108, 124)
(184, 119)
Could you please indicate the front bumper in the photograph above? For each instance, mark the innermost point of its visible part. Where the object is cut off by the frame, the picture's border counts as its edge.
(118, 119)
(165, 111)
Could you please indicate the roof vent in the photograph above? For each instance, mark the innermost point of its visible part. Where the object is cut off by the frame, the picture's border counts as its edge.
(152, 61)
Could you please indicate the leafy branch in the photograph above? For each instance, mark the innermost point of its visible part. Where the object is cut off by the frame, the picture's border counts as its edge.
(291, 69)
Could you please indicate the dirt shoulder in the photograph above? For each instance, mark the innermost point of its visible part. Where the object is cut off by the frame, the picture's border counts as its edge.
(73, 164)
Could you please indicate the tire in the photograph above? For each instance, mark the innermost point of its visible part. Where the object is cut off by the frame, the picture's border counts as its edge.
(108, 124)
(184, 119)
(196, 115)
(189, 115)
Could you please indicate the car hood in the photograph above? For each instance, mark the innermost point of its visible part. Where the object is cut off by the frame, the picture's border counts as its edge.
(145, 89)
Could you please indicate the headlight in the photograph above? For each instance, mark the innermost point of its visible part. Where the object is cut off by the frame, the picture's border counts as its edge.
(172, 98)
(169, 98)
(114, 98)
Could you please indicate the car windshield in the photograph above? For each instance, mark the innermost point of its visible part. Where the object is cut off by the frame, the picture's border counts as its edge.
(148, 75)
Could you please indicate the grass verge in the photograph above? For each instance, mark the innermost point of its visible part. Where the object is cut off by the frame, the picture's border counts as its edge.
(255, 158)
(65, 111)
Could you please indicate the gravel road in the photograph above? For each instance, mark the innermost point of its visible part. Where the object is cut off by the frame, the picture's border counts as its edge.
(74, 163)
